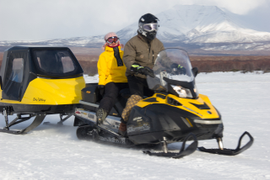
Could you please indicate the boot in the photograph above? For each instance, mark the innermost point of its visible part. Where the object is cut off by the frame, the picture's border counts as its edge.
(131, 102)
(101, 115)
(122, 129)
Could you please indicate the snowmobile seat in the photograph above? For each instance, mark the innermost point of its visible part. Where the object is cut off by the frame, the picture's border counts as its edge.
(91, 94)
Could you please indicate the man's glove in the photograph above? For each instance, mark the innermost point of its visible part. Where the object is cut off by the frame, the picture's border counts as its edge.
(142, 70)
(178, 69)
(101, 89)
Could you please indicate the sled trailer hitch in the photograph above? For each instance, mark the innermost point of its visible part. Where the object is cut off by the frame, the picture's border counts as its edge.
(183, 151)
(230, 152)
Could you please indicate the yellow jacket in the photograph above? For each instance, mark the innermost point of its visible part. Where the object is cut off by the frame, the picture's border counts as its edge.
(108, 69)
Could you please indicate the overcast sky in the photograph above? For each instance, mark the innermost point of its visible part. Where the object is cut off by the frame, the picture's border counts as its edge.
(49, 19)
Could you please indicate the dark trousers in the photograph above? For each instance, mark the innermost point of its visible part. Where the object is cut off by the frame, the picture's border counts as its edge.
(138, 86)
(110, 95)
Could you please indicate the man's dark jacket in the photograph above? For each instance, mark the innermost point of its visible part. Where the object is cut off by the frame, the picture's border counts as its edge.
(139, 50)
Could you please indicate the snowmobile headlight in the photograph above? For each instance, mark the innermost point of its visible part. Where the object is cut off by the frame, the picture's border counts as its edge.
(182, 92)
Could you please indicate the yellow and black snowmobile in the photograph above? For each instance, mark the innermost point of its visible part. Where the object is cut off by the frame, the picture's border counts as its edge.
(175, 113)
(36, 81)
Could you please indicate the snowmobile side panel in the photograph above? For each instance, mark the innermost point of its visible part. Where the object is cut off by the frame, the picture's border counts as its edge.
(111, 123)
(43, 91)
(155, 121)
(54, 91)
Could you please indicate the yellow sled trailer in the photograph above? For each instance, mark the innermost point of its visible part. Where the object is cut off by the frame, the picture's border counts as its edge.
(36, 81)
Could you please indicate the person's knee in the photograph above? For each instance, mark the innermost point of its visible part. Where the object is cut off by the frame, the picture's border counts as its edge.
(133, 100)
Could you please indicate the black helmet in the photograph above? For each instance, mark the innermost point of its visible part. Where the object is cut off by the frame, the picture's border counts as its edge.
(148, 26)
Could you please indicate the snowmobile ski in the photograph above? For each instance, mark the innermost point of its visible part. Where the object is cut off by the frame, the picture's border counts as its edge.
(231, 152)
(183, 151)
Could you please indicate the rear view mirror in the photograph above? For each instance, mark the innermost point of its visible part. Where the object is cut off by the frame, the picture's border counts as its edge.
(195, 71)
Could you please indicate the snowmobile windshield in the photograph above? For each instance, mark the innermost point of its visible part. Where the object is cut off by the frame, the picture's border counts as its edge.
(56, 63)
(173, 74)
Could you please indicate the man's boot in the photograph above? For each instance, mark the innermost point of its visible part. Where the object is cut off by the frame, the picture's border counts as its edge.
(131, 102)
(122, 129)
(101, 115)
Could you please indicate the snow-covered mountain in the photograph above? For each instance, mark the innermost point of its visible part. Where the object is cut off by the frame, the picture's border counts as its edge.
(193, 26)
(207, 26)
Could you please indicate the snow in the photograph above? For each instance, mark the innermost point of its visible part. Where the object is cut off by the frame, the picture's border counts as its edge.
(54, 152)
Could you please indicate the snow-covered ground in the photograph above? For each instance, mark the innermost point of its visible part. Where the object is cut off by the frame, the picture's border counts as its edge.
(51, 152)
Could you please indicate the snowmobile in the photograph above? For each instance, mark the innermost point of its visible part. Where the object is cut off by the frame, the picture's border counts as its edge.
(37, 81)
(175, 113)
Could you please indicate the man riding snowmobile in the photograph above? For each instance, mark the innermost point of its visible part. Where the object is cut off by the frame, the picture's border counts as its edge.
(139, 55)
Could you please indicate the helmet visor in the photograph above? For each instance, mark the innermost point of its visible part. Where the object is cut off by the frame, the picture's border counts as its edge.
(149, 27)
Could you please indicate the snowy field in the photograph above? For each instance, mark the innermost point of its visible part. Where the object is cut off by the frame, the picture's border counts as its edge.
(51, 152)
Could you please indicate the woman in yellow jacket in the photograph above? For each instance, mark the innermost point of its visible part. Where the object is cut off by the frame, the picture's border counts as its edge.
(111, 71)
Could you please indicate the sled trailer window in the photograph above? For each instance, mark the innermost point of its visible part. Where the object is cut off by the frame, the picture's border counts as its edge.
(14, 75)
(17, 70)
(56, 63)
(67, 64)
